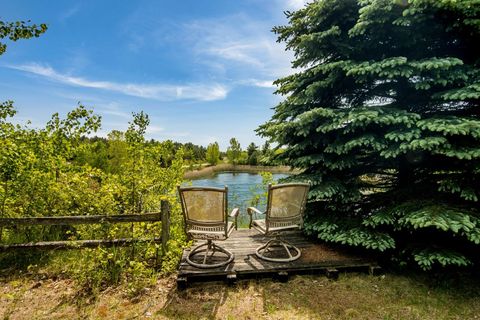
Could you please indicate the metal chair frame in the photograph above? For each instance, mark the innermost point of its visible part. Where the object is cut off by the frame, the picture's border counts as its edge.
(274, 226)
(210, 231)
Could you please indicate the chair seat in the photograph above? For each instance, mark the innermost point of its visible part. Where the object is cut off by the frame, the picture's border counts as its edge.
(215, 233)
(261, 226)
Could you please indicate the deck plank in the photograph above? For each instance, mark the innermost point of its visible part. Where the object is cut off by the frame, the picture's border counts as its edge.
(243, 242)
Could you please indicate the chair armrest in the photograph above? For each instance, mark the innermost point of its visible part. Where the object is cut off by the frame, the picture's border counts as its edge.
(251, 211)
(234, 214)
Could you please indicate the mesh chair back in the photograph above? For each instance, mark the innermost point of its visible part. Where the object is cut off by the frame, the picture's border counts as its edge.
(204, 206)
(286, 204)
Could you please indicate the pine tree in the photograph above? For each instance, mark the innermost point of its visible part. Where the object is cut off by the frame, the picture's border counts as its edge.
(384, 119)
(252, 154)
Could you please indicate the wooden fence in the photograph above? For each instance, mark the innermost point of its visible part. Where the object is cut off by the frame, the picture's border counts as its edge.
(163, 216)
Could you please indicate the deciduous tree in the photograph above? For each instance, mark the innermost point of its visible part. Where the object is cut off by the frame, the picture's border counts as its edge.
(213, 153)
(17, 30)
(234, 151)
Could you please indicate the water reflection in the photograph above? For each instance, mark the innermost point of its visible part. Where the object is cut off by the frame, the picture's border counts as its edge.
(242, 186)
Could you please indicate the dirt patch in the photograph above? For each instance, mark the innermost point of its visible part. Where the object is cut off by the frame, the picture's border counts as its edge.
(322, 252)
(61, 299)
(31, 299)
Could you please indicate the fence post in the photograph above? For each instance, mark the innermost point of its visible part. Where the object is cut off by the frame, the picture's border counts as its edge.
(165, 212)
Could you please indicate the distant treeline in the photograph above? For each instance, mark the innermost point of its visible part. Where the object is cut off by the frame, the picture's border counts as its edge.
(107, 152)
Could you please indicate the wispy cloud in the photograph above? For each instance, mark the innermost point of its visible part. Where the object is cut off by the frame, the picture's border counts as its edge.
(237, 51)
(257, 83)
(296, 4)
(243, 45)
(162, 92)
(71, 11)
(113, 109)
(231, 47)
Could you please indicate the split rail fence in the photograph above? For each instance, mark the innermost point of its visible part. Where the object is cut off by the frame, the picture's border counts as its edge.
(162, 216)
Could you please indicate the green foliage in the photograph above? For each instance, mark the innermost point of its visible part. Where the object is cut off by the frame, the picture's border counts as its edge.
(191, 152)
(382, 117)
(266, 155)
(243, 158)
(260, 191)
(234, 151)
(252, 154)
(426, 258)
(19, 30)
(333, 229)
(56, 171)
(213, 153)
(117, 152)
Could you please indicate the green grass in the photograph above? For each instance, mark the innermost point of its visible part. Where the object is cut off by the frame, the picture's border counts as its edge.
(353, 296)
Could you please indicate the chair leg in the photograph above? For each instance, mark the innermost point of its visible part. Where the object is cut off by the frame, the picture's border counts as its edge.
(209, 244)
(206, 247)
(276, 242)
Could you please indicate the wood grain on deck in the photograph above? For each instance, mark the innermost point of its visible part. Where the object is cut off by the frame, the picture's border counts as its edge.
(243, 243)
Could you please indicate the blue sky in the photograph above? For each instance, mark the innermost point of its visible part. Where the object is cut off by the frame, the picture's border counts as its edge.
(202, 70)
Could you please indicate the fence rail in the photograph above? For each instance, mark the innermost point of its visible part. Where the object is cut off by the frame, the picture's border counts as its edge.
(162, 216)
(76, 244)
(69, 220)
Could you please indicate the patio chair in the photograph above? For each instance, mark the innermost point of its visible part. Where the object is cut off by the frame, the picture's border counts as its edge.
(285, 207)
(206, 218)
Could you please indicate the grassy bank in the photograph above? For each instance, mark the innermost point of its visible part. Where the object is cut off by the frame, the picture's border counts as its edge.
(208, 171)
(353, 296)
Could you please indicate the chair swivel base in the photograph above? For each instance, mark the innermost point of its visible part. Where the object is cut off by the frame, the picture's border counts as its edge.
(278, 243)
(207, 247)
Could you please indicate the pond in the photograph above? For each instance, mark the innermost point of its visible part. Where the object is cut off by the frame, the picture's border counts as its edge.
(242, 187)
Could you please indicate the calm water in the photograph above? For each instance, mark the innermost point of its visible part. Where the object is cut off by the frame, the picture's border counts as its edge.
(242, 187)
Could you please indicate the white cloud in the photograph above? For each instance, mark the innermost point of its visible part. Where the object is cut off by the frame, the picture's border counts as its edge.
(232, 47)
(257, 83)
(162, 92)
(113, 109)
(264, 84)
(240, 52)
(116, 113)
(296, 4)
(242, 45)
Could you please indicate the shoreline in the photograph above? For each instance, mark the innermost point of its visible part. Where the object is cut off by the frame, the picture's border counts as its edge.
(208, 171)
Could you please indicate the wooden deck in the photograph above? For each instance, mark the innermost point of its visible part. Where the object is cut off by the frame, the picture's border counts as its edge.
(315, 257)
